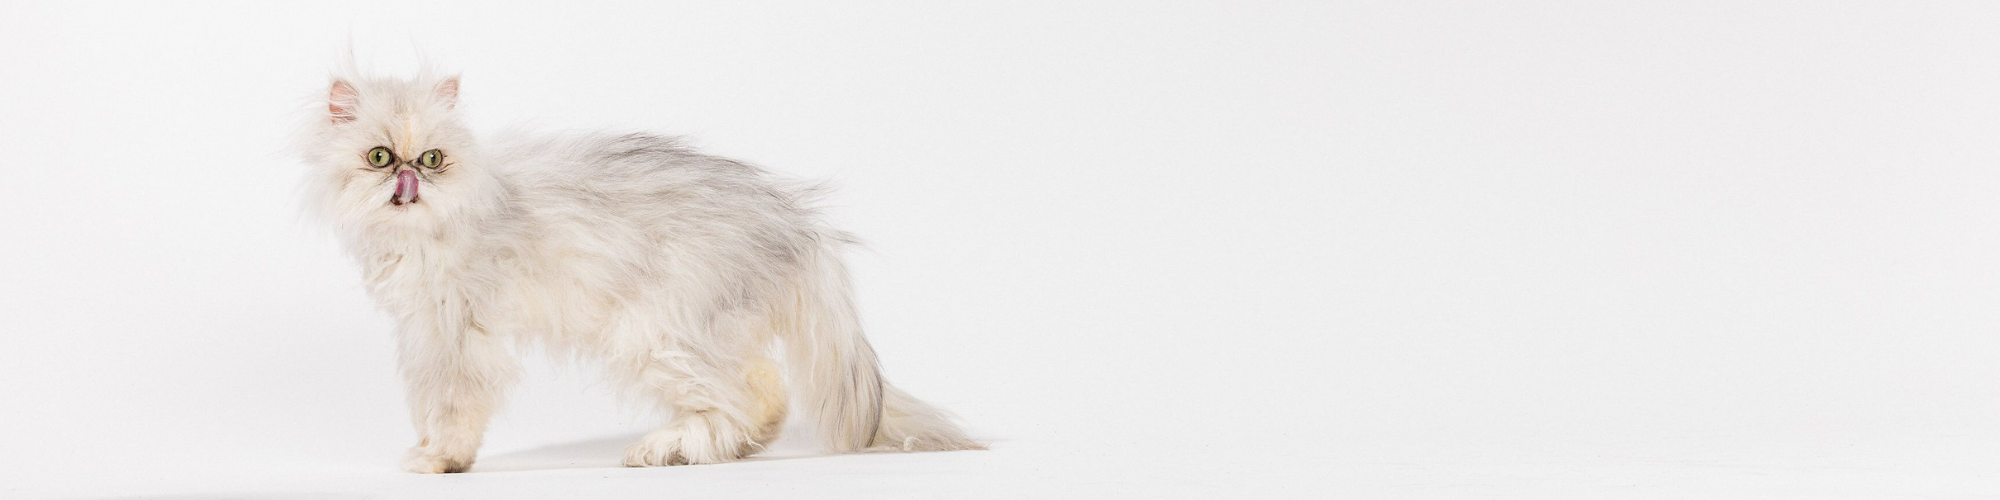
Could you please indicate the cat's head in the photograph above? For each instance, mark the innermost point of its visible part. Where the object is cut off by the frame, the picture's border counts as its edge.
(394, 155)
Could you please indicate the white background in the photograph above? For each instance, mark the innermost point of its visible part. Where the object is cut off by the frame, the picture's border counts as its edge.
(1160, 249)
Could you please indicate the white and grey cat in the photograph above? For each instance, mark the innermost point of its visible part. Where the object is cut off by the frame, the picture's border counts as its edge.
(697, 282)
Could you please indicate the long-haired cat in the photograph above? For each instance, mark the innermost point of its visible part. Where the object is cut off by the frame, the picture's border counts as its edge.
(697, 282)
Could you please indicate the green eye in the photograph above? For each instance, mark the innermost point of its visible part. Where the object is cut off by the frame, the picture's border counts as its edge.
(380, 157)
(431, 159)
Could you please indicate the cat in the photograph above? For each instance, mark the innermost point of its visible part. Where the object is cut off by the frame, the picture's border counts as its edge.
(697, 282)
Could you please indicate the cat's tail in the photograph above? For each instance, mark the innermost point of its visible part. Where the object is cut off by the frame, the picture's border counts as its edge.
(831, 361)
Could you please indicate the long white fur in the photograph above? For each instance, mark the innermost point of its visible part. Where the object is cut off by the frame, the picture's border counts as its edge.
(684, 275)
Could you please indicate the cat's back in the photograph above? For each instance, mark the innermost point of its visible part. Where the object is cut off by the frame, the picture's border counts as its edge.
(646, 181)
(601, 161)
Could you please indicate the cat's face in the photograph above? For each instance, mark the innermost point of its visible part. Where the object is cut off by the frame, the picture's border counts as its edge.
(394, 154)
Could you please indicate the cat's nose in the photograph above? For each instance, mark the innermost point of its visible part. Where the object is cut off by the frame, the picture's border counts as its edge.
(406, 187)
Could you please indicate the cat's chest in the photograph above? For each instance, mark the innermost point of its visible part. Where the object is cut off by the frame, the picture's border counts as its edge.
(413, 277)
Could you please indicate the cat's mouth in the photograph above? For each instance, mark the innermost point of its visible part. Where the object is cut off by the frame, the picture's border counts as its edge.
(406, 188)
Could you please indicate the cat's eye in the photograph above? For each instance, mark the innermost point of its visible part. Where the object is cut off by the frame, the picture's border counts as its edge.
(380, 157)
(431, 159)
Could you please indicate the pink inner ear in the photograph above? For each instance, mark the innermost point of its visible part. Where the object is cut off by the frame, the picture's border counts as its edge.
(340, 102)
(448, 89)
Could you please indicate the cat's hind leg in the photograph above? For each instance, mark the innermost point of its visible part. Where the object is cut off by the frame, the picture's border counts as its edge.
(713, 390)
(767, 387)
(711, 422)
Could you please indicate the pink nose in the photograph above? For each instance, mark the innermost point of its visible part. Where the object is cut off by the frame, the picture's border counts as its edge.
(406, 187)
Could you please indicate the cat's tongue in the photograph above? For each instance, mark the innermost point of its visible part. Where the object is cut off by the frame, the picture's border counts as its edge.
(406, 187)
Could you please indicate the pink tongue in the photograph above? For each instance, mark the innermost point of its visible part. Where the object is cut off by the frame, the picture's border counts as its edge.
(406, 187)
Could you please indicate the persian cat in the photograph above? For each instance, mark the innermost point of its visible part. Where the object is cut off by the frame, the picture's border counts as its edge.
(702, 285)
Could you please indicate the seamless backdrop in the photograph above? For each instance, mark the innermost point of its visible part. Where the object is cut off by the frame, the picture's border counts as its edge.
(1148, 249)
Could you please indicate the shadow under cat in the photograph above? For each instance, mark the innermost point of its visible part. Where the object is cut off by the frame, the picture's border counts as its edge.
(609, 452)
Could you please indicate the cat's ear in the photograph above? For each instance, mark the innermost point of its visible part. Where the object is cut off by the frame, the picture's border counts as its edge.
(341, 101)
(448, 91)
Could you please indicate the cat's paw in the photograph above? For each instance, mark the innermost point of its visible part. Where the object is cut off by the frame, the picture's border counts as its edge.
(655, 449)
(427, 461)
(688, 442)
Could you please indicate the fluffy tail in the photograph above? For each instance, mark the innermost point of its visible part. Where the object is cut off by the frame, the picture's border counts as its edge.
(909, 424)
(844, 391)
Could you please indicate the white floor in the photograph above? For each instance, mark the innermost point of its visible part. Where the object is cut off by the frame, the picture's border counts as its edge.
(1182, 250)
(1168, 466)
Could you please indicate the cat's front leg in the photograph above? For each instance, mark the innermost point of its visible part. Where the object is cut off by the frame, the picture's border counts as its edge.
(453, 379)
